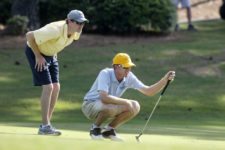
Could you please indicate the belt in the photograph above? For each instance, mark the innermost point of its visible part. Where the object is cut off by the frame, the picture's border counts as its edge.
(89, 100)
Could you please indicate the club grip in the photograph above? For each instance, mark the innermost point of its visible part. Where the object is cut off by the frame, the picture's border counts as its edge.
(164, 89)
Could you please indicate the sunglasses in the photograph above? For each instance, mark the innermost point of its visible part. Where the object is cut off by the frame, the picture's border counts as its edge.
(79, 23)
(125, 68)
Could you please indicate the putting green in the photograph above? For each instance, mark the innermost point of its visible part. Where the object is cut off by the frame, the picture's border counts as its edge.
(25, 138)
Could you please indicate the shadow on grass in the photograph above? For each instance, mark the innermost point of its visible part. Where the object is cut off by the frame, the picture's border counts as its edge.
(196, 133)
(13, 133)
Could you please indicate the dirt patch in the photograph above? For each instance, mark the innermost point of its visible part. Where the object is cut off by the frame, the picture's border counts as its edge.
(205, 71)
(88, 40)
(202, 10)
(14, 42)
(204, 65)
(91, 40)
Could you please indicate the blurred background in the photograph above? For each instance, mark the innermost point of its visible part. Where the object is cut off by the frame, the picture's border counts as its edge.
(145, 30)
(106, 16)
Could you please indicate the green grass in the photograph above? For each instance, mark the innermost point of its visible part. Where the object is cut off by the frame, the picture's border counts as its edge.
(74, 136)
(190, 114)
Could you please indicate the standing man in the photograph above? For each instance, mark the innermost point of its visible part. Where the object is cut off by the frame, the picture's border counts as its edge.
(187, 5)
(43, 45)
(102, 102)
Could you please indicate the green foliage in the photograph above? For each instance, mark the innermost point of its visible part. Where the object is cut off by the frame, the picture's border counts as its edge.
(118, 16)
(17, 25)
(162, 15)
(52, 10)
(5, 7)
(131, 16)
(107, 16)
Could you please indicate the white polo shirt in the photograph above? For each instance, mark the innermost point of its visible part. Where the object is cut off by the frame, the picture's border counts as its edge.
(106, 81)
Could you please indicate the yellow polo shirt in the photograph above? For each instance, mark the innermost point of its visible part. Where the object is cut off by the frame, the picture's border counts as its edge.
(53, 38)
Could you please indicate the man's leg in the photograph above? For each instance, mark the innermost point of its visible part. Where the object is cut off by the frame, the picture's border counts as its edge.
(190, 25)
(94, 110)
(102, 116)
(44, 78)
(54, 98)
(126, 115)
(45, 103)
(187, 4)
(46, 128)
(189, 15)
(110, 111)
(119, 113)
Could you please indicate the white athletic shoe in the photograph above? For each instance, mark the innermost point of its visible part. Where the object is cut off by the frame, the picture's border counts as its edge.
(48, 130)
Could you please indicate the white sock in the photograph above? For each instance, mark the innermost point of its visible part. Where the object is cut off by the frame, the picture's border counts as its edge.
(107, 128)
(94, 126)
(45, 125)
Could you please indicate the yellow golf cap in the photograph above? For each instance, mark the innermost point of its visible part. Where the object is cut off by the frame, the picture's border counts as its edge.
(123, 59)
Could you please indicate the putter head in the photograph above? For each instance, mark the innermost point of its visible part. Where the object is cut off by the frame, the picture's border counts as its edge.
(137, 138)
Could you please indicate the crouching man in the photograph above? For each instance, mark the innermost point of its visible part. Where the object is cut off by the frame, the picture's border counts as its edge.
(103, 101)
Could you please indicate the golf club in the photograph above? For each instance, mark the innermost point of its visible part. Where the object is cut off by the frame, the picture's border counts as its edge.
(164, 89)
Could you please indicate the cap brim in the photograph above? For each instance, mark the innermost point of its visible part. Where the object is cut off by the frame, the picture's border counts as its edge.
(82, 20)
(129, 65)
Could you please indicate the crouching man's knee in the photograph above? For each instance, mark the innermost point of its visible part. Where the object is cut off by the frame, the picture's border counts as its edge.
(110, 111)
(135, 107)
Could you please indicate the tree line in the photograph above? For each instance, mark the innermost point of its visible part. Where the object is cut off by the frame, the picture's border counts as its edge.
(106, 16)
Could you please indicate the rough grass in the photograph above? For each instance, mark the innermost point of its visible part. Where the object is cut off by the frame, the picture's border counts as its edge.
(197, 93)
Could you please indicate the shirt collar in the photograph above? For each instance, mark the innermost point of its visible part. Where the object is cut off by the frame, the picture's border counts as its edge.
(74, 36)
(114, 77)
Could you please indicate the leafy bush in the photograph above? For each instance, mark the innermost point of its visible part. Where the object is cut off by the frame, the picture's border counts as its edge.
(17, 25)
(162, 15)
(52, 10)
(5, 7)
(131, 16)
(118, 16)
(106, 16)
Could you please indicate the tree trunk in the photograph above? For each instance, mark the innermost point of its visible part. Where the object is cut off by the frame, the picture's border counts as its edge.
(27, 8)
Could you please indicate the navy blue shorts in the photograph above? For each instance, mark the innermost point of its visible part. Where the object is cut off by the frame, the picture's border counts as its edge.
(49, 75)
